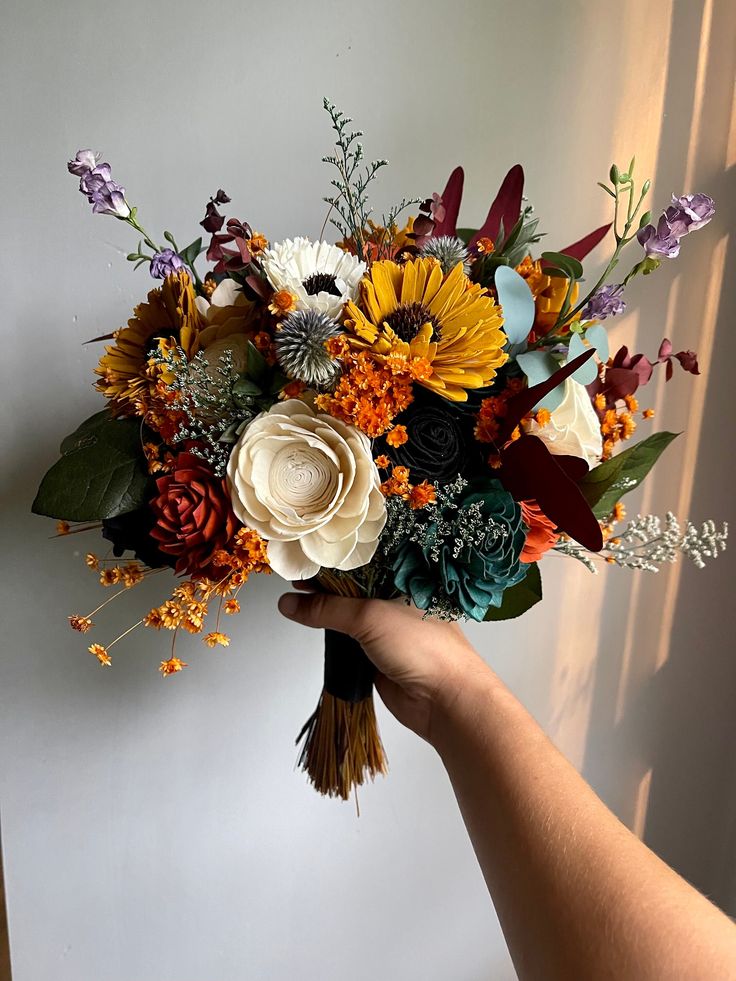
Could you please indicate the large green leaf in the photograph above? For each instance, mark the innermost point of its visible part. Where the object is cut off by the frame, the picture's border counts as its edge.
(608, 482)
(519, 598)
(102, 472)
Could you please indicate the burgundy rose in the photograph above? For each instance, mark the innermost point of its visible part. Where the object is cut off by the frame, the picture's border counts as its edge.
(193, 515)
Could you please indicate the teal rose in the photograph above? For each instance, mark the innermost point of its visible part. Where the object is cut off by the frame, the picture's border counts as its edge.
(466, 555)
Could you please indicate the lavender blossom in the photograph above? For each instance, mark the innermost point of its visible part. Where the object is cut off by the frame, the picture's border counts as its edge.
(690, 211)
(659, 242)
(83, 163)
(105, 195)
(686, 214)
(605, 302)
(166, 262)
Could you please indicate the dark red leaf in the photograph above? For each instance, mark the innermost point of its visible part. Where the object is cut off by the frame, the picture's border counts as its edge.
(506, 206)
(523, 402)
(665, 350)
(579, 250)
(689, 361)
(451, 198)
(530, 471)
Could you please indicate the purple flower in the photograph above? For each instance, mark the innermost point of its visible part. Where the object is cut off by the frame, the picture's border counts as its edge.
(659, 242)
(166, 262)
(686, 214)
(605, 302)
(105, 195)
(690, 212)
(84, 161)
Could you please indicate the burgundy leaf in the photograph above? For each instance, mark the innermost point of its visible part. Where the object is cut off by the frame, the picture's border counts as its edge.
(665, 350)
(530, 471)
(506, 207)
(669, 370)
(579, 250)
(451, 198)
(689, 361)
(523, 402)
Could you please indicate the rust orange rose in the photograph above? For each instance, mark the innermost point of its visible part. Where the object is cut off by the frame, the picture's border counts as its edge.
(193, 515)
(542, 534)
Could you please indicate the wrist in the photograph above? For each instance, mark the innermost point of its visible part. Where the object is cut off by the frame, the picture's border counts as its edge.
(465, 706)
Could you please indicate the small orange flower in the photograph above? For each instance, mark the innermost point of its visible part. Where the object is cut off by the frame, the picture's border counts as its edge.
(619, 512)
(282, 303)
(382, 462)
(292, 390)
(101, 654)
(600, 401)
(632, 403)
(398, 436)
(62, 528)
(215, 637)
(132, 574)
(257, 243)
(153, 619)
(486, 246)
(92, 561)
(82, 624)
(231, 606)
(422, 495)
(109, 577)
(171, 666)
(542, 417)
(648, 413)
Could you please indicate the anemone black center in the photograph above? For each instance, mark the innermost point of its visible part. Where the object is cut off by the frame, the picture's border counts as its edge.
(321, 283)
(407, 319)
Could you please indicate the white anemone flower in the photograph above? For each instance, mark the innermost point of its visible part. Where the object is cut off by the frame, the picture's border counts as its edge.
(322, 276)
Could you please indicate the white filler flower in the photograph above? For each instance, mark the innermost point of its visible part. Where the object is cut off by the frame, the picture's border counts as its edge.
(307, 483)
(574, 428)
(320, 275)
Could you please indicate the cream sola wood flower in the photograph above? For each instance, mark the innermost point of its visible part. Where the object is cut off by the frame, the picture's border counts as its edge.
(307, 484)
(573, 427)
(321, 276)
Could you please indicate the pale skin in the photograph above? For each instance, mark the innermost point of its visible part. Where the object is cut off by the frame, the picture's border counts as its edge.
(577, 894)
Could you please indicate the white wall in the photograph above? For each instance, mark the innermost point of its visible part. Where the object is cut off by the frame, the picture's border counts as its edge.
(157, 831)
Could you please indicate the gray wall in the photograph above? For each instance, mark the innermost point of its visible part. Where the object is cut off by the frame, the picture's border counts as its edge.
(158, 831)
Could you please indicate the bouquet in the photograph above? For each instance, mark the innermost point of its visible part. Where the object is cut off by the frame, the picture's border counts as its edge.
(418, 411)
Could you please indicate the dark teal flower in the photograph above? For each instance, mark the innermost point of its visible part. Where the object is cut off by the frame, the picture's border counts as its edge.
(466, 554)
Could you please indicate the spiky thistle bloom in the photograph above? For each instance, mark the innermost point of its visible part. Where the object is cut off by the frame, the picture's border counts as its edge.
(448, 251)
(300, 347)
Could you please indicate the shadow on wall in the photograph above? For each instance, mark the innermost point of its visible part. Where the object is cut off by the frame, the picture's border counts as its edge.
(664, 747)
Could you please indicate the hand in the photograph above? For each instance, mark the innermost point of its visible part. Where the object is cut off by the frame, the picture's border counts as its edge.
(422, 664)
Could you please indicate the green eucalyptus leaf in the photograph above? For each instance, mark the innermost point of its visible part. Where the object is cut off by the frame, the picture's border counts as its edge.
(190, 253)
(606, 484)
(102, 472)
(519, 598)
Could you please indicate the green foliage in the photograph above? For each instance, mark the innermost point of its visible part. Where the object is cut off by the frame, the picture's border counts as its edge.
(604, 486)
(102, 472)
(519, 598)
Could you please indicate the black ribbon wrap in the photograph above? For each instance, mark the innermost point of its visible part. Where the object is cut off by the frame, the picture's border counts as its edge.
(348, 672)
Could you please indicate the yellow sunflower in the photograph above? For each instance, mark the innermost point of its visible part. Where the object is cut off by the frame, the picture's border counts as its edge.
(413, 310)
(169, 316)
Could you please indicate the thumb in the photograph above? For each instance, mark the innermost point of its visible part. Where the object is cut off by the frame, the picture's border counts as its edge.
(349, 616)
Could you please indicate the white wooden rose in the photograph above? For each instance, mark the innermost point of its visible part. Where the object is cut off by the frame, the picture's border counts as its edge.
(307, 483)
(574, 428)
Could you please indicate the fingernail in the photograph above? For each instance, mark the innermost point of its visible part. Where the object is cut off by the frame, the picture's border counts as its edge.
(288, 604)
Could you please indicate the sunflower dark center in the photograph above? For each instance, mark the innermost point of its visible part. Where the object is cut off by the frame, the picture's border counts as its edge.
(407, 319)
(321, 283)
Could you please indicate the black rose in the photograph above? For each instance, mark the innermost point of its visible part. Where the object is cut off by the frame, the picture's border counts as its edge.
(441, 444)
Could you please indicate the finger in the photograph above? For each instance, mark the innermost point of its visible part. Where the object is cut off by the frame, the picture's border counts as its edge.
(306, 585)
(324, 610)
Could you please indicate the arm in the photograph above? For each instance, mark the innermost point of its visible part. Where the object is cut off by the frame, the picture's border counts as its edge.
(577, 894)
